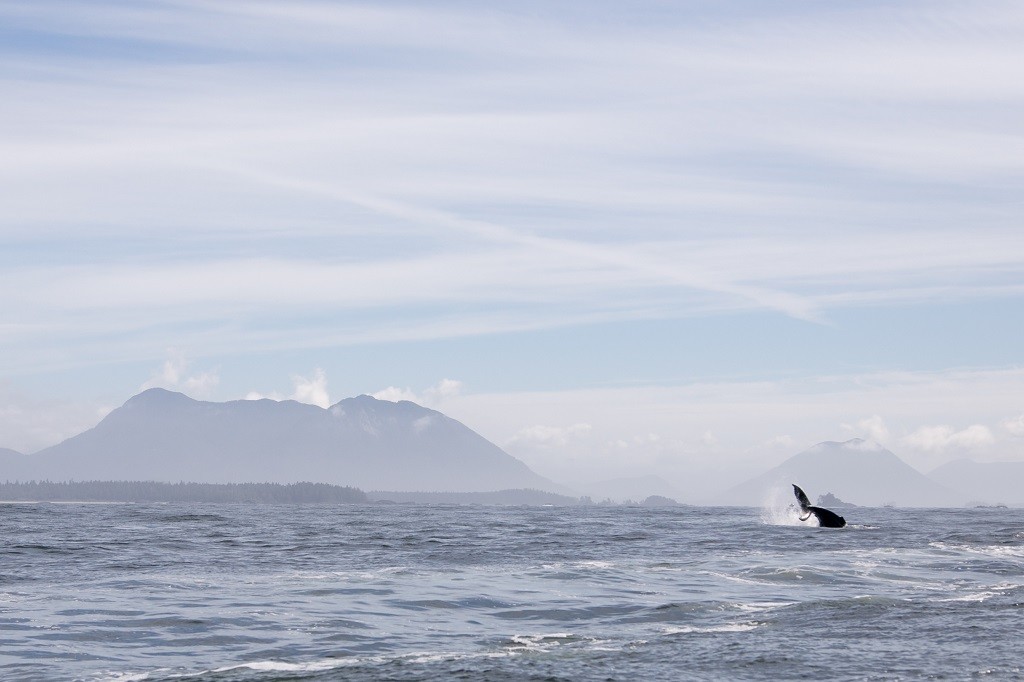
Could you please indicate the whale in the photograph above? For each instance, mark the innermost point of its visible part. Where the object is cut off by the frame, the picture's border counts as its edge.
(826, 518)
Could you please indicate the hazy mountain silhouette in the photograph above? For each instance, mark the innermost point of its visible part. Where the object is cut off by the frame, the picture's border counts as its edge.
(857, 471)
(372, 444)
(14, 466)
(983, 482)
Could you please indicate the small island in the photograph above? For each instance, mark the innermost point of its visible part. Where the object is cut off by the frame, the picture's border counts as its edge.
(831, 501)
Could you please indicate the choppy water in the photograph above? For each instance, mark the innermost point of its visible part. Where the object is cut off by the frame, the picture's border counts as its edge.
(236, 592)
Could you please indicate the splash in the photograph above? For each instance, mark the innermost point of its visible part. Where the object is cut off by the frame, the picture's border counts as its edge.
(778, 509)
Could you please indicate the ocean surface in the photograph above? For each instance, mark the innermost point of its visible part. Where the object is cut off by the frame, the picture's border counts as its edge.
(422, 592)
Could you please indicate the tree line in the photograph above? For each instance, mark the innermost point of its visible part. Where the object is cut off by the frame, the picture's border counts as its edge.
(151, 491)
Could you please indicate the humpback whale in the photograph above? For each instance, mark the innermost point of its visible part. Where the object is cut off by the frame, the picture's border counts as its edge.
(826, 518)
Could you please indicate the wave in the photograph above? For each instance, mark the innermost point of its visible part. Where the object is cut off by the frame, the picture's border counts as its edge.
(711, 629)
(513, 646)
(995, 551)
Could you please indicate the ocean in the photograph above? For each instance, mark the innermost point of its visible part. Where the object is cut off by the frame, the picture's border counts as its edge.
(423, 592)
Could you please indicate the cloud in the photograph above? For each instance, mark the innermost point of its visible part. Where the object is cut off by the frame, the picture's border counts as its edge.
(863, 445)
(430, 397)
(29, 423)
(172, 375)
(256, 395)
(446, 388)
(171, 371)
(395, 394)
(873, 428)
(784, 441)
(547, 437)
(1015, 426)
(311, 390)
(203, 383)
(939, 438)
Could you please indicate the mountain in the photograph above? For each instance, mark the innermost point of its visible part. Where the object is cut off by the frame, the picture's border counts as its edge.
(983, 482)
(14, 466)
(857, 471)
(372, 444)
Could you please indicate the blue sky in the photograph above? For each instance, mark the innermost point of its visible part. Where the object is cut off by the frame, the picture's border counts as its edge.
(526, 215)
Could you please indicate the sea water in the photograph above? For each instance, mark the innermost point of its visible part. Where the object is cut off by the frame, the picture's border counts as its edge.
(418, 592)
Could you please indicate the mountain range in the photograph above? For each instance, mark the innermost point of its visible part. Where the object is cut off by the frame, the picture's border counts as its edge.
(378, 445)
(371, 444)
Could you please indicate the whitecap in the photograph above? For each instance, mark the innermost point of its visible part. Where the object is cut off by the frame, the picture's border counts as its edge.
(707, 629)
(975, 597)
(999, 551)
(760, 607)
(124, 677)
(285, 667)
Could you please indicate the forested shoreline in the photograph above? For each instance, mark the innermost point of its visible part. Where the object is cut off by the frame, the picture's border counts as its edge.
(151, 491)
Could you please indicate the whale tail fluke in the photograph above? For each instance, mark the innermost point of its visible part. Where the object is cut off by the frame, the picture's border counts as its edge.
(825, 517)
(801, 497)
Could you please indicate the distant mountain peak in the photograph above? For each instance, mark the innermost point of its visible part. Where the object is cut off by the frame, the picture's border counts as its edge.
(858, 470)
(852, 444)
(157, 396)
(365, 401)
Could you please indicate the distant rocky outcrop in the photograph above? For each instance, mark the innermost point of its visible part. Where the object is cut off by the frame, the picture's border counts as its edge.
(857, 470)
(830, 501)
(659, 501)
(363, 442)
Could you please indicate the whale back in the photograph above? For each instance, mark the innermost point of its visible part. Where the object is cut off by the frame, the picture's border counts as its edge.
(827, 518)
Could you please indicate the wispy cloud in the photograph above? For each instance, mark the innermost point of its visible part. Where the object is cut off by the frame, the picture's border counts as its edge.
(872, 428)
(312, 390)
(941, 437)
(543, 436)
(29, 422)
(172, 375)
(434, 396)
(1014, 426)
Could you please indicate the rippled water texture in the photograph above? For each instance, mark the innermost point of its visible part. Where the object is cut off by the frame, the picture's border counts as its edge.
(236, 592)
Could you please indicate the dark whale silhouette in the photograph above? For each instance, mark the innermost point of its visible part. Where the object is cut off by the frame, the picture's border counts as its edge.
(826, 518)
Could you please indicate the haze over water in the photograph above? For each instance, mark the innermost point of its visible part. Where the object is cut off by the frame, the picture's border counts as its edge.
(269, 592)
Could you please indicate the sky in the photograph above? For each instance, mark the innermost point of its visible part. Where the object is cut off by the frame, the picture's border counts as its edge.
(687, 239)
